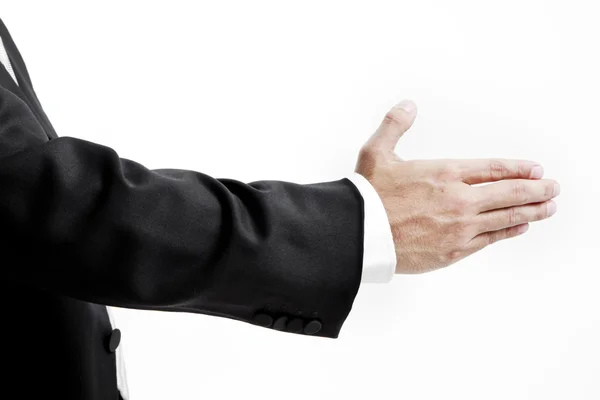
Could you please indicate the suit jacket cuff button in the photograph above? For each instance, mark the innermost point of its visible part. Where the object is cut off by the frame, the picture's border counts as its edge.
(263, 319)
(312, 327)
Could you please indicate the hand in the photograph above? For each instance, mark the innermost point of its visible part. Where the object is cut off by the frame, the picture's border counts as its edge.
(437, 217)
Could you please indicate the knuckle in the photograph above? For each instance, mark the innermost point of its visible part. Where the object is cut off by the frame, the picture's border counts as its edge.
(454, 255)
(462, 230)
(541, 212)
(523, 169)
(447, 173)
(446, 249)
(458, 234)
(497, 170)
(493, 237)
(394, 117)
(446, 257)
(518, 191)
(459, 206)
(548, 190)
(513, 215)
(511, 232)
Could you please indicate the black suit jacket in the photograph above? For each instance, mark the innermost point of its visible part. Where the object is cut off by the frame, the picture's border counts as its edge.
(82, 228)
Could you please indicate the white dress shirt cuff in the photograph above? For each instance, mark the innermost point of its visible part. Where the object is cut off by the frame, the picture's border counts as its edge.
(379, 255)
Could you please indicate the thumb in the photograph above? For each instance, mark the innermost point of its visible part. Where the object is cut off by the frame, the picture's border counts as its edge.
(396, 121)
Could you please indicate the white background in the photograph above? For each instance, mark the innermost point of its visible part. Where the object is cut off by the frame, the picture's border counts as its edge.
(289, 90)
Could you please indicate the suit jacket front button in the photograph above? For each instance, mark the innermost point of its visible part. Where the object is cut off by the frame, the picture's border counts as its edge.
(312, 327)
(114, 340)
(295, 325)
(263, 320)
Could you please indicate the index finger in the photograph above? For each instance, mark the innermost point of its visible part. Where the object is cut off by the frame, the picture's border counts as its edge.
(496, 169)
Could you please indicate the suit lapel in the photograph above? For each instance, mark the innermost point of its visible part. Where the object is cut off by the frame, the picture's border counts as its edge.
(7, 82)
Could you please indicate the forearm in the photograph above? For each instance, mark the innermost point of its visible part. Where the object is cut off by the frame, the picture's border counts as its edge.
(79, 220)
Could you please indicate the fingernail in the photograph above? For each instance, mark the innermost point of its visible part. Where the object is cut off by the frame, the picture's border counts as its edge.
(551, 208)
(523, 228)
(556, 189)
(407, 106)
(537, 172)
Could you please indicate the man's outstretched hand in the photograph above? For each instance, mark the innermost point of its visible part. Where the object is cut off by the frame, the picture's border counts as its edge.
(436, 215)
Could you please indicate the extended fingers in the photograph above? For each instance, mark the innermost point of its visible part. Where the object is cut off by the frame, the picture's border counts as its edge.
(514, 216)
(515, 192)
(497, 169)
(485, 239)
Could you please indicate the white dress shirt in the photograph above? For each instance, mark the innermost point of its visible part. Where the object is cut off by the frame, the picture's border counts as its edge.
(5, 60)
(379, 254)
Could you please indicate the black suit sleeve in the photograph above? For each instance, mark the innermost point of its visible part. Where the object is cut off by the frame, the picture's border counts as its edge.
(77, 219)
